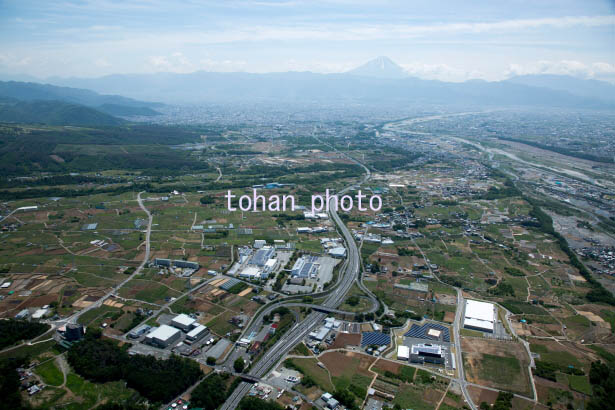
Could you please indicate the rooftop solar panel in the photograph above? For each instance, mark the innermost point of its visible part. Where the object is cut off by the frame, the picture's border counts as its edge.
(421, 331)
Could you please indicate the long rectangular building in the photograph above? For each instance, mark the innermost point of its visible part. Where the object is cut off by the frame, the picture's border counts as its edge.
(479, 316)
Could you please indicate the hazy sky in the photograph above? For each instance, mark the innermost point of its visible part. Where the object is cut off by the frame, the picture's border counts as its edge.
(449, 40)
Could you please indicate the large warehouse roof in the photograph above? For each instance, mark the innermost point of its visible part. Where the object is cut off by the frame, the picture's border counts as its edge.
(163, 332)
(184, 320)
(479, 310)
(479, 315)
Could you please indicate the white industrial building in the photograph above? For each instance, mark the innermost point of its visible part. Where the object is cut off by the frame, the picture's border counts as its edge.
(252, 273)
(270, 266)
(40, 313)
(403, 353)
(196, 333)
(320, 334)
(183, 322)
(338, 252)
(163, 336)
(332, 323)
(479, 316)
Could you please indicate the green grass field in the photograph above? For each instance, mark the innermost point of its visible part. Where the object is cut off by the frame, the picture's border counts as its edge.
(220, 325)
(50, 373)
(309, 367)
(411, 397)
(580, 384)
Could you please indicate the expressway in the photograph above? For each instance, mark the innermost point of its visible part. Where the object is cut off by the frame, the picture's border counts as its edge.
(349, 275)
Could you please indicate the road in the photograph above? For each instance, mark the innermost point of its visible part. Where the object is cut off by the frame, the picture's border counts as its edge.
(457, 324)
(73, 318)
(349, 275)
(461, 379)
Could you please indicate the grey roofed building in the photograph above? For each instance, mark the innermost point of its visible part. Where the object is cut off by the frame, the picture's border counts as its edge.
(139, 331)
(22, 314)
(89, 227)
(304, 267)
(261, 256)
(186, 264)
(162, 262)
(177, 263)
(426, 353)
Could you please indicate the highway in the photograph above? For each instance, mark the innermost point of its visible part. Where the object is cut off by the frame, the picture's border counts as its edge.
(349, 275)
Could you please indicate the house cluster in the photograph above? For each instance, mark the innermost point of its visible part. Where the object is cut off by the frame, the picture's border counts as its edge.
(602, 256)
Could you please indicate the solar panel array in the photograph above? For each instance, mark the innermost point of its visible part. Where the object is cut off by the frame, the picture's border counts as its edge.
(375, 338)
(420, 332)
(229, 283)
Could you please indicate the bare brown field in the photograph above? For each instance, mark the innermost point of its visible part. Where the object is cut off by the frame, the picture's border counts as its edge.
(346, 339)
(347, 363)
(497, 364)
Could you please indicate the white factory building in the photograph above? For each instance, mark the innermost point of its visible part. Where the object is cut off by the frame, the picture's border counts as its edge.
(196, 334)
(252, 272)
(270, 266)
(163, 336)
(338, 252)
(183, 322)
(479, 316)
(403, 353)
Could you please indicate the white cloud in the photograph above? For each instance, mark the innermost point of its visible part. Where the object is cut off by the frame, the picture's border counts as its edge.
(175, 62)
(442, 72)
(597, 70)
(209, 64)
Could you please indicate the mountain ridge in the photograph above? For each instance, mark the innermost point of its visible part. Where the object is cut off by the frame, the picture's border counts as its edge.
(112, 104)
(52, 112)
(211, 87)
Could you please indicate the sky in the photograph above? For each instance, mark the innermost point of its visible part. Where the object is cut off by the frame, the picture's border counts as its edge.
(438, 39)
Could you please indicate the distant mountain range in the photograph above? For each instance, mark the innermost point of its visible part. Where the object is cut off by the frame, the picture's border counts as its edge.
(97, 101)
(378, 81)
(48, 104)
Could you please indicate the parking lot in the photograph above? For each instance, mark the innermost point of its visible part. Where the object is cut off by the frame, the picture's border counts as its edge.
(279, 378)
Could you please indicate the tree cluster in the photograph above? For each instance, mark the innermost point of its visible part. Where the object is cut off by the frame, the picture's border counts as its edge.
(13, 330)
(101, 360)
